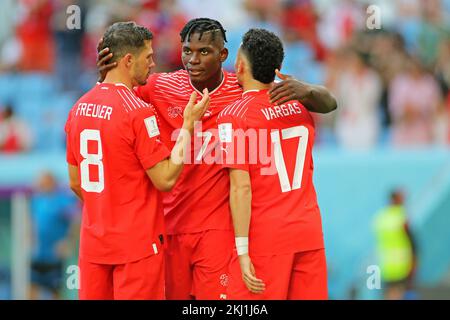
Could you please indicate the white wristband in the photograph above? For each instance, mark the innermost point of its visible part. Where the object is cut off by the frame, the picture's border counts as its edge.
(241, 245)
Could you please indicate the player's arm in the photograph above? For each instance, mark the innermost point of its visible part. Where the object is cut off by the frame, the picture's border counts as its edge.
(240, 204)
(165, 173)
(314, 97)
(74, 181)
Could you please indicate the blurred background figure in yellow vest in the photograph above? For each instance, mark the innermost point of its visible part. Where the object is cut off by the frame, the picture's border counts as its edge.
(396, 248)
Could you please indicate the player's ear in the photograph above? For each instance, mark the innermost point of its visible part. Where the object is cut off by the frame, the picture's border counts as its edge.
(128, 58)
(238, 63)
(223, 55)
(239, 66)
(245, 64)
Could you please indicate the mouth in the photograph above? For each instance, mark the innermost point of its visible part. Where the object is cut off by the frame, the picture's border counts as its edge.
(195, 72)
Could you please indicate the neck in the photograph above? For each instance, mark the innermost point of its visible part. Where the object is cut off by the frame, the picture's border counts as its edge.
(252, 84)
(212, 83)
(115, 76)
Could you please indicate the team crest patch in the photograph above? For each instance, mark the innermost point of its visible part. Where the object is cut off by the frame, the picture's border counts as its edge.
(224, 279)
(174, 111)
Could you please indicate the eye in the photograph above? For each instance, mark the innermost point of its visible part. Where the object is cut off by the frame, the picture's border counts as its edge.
(204, 52)
(186, 51)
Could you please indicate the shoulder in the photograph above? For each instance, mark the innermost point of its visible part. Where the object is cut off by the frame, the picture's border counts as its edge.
(236, 111)
(172, 84)
(131, 104)
(180, 76)
(164, 80)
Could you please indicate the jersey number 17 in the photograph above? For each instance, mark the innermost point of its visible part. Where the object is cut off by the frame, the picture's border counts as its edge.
(302, 133)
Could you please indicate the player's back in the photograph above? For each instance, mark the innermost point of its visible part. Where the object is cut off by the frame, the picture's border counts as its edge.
(285, 213)
(107, 134)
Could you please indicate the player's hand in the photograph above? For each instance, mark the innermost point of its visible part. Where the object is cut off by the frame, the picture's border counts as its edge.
(102, 61)
(288, 89)
(195, 111)
(252, 283)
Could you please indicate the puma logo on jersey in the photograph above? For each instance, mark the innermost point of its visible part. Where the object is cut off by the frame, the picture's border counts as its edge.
(174, 111)
(207, 114)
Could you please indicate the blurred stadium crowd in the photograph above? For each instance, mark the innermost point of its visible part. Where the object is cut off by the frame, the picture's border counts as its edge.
(392, 84)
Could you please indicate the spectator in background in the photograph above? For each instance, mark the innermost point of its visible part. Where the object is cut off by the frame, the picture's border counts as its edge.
(98, 17)
(358, 93)
(408, 21)
(299, 17)
(442, 72)
(14, 134)
(433, 29)
(35, 36)
(396, 248)
(52, 214)
(387, 56)
(7, 14)
(414, 98)
(166, 20)
(67, 44)
(8, 41)
(339, 21)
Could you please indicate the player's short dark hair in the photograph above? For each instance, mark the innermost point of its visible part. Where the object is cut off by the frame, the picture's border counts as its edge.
(265, 53)
(125, 37)
(202, 25)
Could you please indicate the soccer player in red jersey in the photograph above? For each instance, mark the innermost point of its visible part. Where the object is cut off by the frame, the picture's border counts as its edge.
(199, 229)
(268, 150)
(117, 164)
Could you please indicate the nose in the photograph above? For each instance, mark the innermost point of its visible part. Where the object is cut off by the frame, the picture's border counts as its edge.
(194, 59)
(151, 64)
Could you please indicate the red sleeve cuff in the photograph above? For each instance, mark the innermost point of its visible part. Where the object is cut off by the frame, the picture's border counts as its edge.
(161, 154)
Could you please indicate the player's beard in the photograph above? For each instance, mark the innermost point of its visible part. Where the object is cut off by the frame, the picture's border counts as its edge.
(142, 81)
(141, 77)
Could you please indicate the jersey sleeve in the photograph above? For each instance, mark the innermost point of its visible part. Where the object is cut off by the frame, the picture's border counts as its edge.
(70, 157)
(148, 146)
(234, 142)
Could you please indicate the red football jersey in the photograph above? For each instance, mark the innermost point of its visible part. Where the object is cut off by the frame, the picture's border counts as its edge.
(199, 200)
(274, 143)
(113, 137)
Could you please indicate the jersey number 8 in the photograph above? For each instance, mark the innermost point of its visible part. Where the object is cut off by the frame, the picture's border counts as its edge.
(91, 159)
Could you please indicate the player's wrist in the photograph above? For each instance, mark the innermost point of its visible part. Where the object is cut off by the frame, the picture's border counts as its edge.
(188, 127)
(241, 245)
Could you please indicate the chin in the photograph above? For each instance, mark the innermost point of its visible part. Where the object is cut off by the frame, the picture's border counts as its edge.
(195, 78)
(143, 82)
(199, 79)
